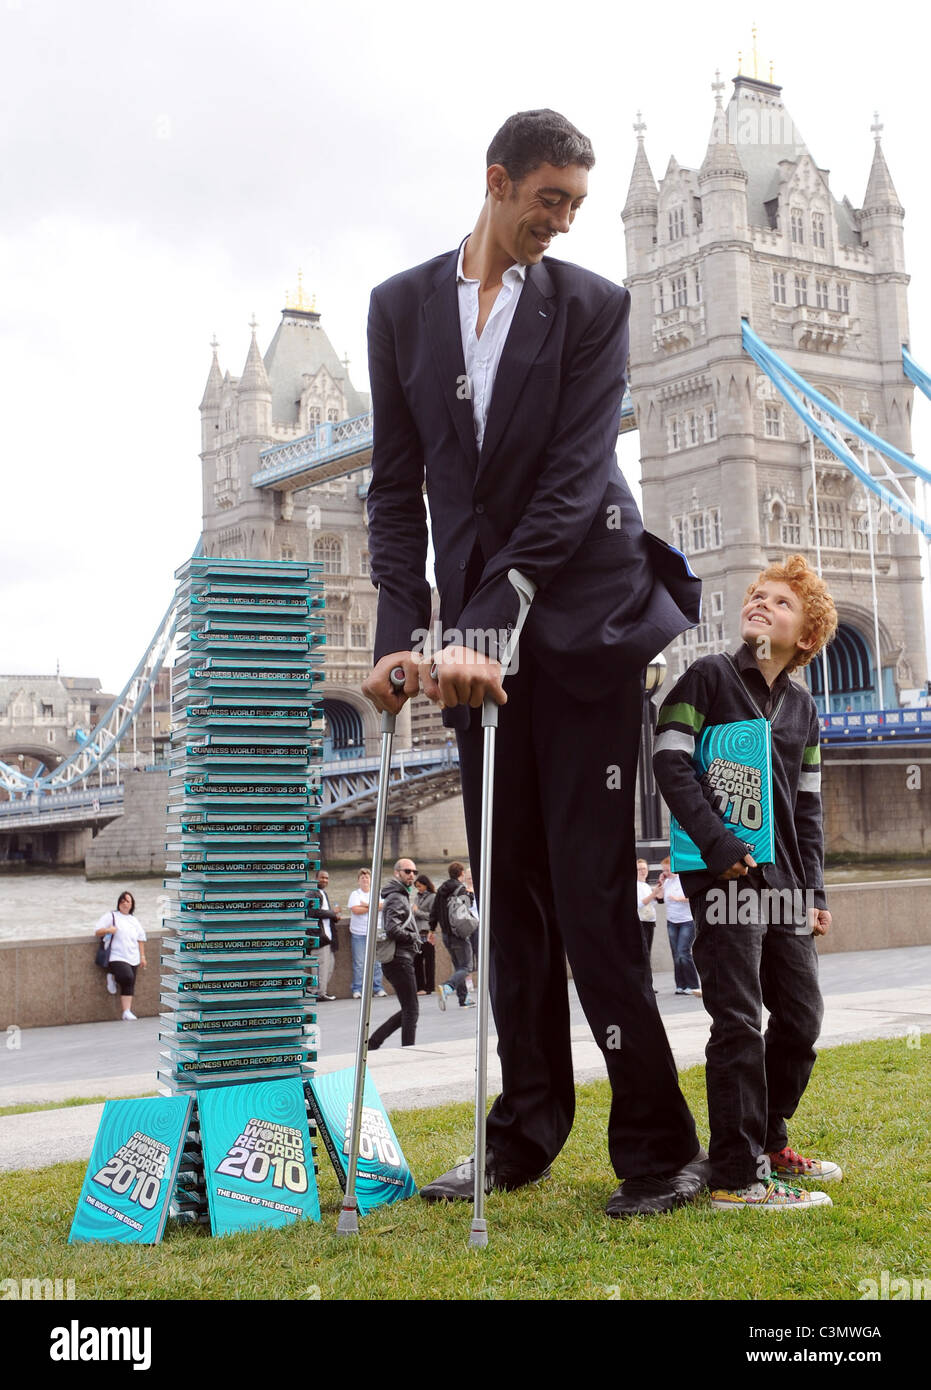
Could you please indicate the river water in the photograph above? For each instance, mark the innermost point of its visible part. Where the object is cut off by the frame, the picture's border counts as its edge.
(62, 902)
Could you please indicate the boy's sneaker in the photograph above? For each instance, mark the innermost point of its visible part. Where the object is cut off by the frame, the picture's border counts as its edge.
(443, 992)
(357, 994)
(788, 1164)
(771, 1196)
(695, 992)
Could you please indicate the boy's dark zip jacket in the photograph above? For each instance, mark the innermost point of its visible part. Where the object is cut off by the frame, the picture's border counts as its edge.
(721, 690)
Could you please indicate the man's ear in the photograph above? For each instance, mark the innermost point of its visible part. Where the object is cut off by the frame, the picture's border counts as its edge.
(498, 181)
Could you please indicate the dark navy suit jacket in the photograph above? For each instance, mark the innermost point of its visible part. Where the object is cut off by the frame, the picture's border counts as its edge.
(544, 496)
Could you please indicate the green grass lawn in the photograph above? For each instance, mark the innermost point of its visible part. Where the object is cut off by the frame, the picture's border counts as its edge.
(867, 1108)
(27, 1107)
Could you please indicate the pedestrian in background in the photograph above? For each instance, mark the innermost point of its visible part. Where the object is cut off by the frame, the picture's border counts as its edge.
(473, 939)
(127, 951)
(681, 932)
(327, 916)
(425, 963)
(459, 949)
(402, 940)
(358, 924)
(647, 898)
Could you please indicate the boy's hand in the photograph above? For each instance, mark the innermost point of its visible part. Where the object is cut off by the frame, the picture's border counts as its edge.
(819, 919)
(740, 868)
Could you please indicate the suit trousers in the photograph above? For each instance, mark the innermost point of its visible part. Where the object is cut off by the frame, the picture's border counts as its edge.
(564, 884)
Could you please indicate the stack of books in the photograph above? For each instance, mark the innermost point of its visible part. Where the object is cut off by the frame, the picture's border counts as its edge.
(238, 966)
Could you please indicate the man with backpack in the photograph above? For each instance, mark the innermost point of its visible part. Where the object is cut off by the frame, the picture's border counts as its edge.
(458, 923)
(396, 951)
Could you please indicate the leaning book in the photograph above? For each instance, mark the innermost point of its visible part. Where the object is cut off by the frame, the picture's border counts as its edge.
(734, 764)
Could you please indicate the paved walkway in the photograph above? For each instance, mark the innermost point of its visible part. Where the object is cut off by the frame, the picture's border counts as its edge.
(868, 994)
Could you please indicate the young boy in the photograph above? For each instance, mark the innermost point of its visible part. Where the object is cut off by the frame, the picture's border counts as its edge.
(755, 946)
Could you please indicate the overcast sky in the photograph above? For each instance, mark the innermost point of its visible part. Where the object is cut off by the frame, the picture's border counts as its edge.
(168, 166)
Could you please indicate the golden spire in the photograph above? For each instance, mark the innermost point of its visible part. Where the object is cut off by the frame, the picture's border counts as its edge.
(756, 55)
(299, 299)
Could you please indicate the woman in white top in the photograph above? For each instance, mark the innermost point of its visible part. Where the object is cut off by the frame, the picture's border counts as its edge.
(127, 951)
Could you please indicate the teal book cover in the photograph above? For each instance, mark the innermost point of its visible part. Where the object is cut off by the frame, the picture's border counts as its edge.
(735, 764)
(258, 1158)
(131, 1174)
(382, 1174)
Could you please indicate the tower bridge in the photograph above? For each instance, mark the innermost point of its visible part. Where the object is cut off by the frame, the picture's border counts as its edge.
(752, 247)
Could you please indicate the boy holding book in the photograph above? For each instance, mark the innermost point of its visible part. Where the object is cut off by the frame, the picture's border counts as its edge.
(756, 924)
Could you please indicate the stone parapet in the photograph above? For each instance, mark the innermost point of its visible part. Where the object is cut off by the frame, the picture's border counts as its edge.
(54, 981)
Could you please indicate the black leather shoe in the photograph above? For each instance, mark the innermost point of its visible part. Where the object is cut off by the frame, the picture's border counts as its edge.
(648, 1196)
(458, 1185)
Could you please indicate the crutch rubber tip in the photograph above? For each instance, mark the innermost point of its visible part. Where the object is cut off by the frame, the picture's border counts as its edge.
(478, 1235)
(348, 1223)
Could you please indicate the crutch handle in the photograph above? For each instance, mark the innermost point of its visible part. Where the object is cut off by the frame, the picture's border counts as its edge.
(526, 589)
(397, 679)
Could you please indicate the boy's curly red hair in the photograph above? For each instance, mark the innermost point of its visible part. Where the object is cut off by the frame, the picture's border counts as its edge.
(820, 613)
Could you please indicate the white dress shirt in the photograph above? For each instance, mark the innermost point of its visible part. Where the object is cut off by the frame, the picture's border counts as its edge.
(483, 354)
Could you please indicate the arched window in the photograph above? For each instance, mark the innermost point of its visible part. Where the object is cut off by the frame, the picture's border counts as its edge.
(328, 552)
(817, 228)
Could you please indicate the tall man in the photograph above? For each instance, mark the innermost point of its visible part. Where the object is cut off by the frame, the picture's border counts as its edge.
(499, 377)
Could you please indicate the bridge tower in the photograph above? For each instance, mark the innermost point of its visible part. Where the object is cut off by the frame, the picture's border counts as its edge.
(757, 232)
(300, 383)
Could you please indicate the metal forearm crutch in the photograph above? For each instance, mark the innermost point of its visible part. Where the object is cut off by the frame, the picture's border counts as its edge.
(478, 1234)
(348, 1224)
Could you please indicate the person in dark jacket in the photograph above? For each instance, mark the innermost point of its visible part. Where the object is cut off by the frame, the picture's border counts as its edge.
(327, 916)
(755, 945)
(425, 963)
(460, 950)
(401, 928)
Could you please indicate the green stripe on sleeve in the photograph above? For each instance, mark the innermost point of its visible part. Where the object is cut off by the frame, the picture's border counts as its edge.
(681, 714)
(812, 756)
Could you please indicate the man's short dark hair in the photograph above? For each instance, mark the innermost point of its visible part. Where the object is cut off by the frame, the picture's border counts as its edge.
(455, 869)
(531, 138)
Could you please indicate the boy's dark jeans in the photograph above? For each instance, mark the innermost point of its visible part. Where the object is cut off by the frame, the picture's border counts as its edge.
(754, 1081)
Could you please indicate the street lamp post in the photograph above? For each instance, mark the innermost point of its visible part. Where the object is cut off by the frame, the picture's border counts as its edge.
(651, 805)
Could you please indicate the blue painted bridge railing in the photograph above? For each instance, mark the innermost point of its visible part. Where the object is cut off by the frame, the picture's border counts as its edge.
(876, 726)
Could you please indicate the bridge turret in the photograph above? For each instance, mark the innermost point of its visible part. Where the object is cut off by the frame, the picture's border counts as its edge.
(882, 216)
(210, 404)
(255, 396)
(640, 210)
